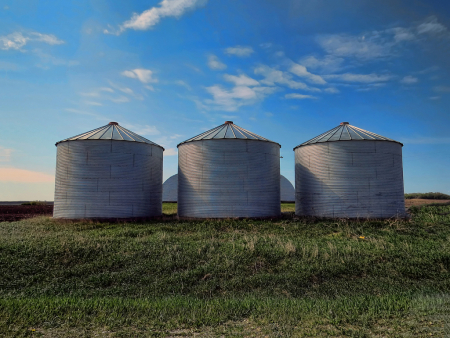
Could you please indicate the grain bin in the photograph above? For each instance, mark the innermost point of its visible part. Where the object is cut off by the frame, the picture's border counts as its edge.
(109, 172)
(349, 172)
(228, 172)
(170, 189)
(287, 190)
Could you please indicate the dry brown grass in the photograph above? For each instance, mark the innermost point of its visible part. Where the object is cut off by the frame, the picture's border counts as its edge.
(418, 201)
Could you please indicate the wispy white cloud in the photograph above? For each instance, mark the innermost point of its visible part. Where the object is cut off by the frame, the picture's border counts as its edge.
(409, 80)
(182, 83)
(431, 26)
(435, 97)
(363, 46)
(214, 63)
(301, 71)
(17, 40)
(299, 96)
(359, 78)
(327, 64)
(149, 18)
(93, 103)
(46, 59)
(378, 44)
(143, 75)
(331, 90)
(241, 51)
(443, 89)
(241, 80)
(231, 100)
(274, 76)
(170, 152)
(5, 154)
(119, 99)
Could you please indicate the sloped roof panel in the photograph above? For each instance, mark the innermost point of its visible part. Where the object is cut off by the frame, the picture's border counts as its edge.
(346, 132)
(228, 131)
(112, 131)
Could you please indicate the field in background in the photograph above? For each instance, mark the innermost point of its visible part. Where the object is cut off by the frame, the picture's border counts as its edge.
(237, 278)
(417, 202)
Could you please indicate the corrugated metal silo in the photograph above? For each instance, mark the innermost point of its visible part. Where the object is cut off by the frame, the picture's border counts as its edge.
(287, 190)
(109, 172)
(170, 189)
(228, 172)
(349, 172)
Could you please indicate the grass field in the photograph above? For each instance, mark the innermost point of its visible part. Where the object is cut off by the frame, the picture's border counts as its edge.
(233, 278)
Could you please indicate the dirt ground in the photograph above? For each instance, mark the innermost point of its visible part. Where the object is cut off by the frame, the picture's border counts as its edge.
(418, 201)
(11, 213)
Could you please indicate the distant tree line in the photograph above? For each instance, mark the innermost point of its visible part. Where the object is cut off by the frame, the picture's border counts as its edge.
(428, 195)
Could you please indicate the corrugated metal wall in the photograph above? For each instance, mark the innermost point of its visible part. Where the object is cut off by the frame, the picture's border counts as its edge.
(228, 178)
(349, 179)
(170, 189)
(287, 190)
(108, 179)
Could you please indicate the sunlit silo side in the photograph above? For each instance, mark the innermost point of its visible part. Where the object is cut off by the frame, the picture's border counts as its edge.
(349, 172)
(228, 172)
(109, 172)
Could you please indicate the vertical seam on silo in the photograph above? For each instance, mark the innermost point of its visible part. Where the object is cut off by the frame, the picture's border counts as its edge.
(109, 201)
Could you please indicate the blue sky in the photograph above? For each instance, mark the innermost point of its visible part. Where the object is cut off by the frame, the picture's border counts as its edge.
(287, 70)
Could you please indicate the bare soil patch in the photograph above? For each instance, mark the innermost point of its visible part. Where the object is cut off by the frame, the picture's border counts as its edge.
(10, 213)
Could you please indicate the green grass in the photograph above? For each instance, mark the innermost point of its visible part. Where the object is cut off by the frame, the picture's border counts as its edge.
(428, 195)
(288, 277)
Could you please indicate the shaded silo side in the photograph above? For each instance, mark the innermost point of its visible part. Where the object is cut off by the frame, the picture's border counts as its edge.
(228, 172)
(287, 190)
(170, 189)
(109, 172)
(349, 172)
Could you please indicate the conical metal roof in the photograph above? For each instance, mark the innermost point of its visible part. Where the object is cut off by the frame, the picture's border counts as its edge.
(112, 131)
(228, 130)
(346, 132)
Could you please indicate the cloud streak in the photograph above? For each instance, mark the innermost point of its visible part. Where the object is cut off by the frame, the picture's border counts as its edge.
(240, 51)
(214, 63)
(17, 40)
(149, 18)
(143, 75)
